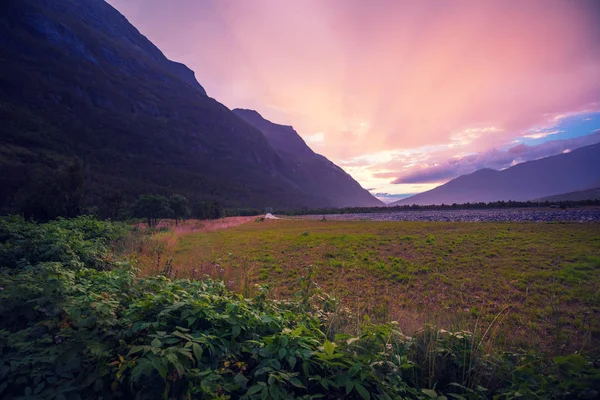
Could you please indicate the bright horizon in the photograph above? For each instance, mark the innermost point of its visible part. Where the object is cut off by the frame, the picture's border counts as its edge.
(404, 96)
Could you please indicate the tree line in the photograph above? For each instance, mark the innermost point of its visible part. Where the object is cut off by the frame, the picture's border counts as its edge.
(153, 208)
(64, 193)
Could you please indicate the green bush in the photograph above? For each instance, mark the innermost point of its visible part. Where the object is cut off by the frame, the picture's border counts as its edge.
(89, 334)
(75, 243)
(69, 331)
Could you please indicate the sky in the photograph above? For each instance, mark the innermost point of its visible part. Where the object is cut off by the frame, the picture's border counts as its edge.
(404, 95)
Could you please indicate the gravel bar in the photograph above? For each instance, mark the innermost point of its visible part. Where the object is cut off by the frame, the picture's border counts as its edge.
(497, 215)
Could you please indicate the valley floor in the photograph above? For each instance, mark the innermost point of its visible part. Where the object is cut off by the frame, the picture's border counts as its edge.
(584, 214)
(521, 285)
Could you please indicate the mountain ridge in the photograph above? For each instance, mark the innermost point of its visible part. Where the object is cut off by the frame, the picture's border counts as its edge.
(314, 171)
(530, 180)
(579, 195)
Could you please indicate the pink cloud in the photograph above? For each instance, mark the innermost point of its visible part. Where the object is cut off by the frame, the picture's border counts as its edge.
(376, 78)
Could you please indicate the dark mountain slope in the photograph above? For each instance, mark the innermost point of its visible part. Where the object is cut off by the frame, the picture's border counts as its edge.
(310, 171)
(562, 173)
(580, 195)
(78, 82)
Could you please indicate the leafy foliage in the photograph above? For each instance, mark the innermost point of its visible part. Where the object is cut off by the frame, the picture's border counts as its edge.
(82, 242)
(69, 329)
(212, 210)
(180, 207)
(152, 208)
(76, 323)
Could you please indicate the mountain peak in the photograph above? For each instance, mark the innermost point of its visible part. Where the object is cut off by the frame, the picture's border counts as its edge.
(255, 116)
(95, 31)
(247, 112)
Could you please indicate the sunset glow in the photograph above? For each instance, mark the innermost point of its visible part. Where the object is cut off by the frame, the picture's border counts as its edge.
(404, 95)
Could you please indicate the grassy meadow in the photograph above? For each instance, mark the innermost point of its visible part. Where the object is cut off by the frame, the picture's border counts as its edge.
(481, 311)
(519, 285)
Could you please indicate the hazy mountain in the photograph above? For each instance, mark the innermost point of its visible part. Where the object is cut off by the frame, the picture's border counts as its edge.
(562, 173)
(590, 194)
(78, 82)
(310, 171)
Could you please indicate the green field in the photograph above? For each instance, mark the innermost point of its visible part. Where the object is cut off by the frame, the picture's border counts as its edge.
(526, 285)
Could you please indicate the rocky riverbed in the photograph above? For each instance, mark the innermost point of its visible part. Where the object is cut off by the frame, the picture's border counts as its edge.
(512, 215)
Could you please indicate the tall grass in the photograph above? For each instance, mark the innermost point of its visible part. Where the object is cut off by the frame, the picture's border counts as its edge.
(153, 252)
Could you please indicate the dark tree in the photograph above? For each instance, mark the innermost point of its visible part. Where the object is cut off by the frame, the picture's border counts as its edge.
(111, 205)
(152, 207)
(208, 210)
(70, 189)
(51, 194)
(180, 207)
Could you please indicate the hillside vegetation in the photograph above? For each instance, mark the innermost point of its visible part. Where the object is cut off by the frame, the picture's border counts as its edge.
(77, 322)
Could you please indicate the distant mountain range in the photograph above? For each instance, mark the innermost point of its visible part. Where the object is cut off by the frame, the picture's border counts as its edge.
(590, 194)
(79, 83)
(578, 170)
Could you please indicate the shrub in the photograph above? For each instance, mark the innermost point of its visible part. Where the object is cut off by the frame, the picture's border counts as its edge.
(75, 243)
(70, 331)
(106, 334)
